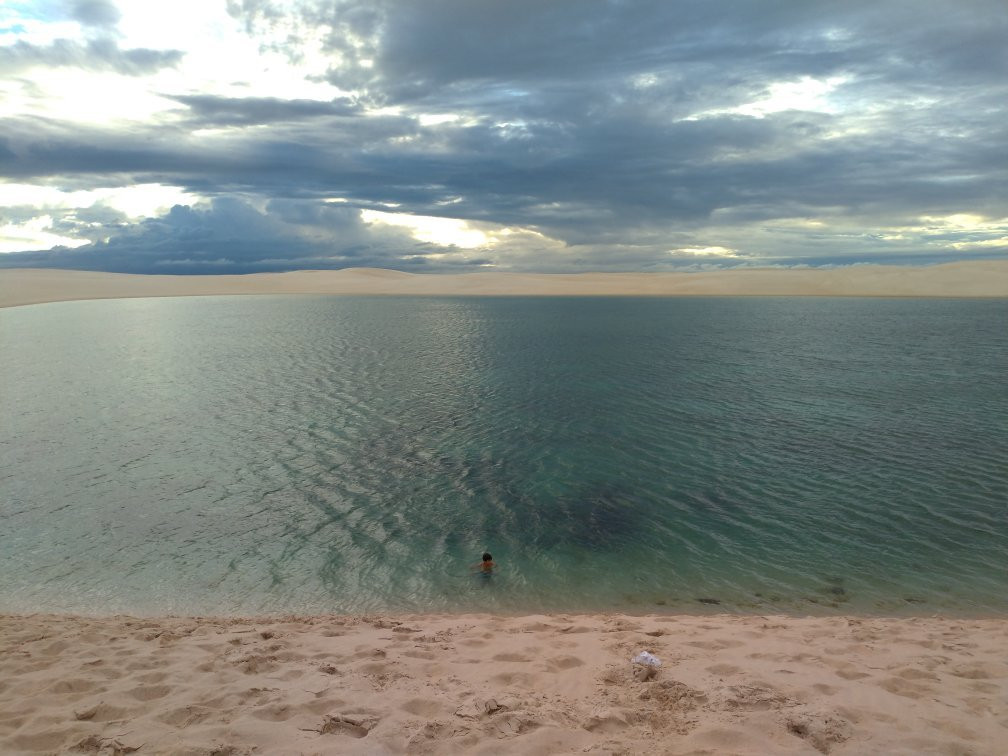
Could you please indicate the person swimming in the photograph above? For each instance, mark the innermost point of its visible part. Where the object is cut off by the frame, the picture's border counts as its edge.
(485, 567)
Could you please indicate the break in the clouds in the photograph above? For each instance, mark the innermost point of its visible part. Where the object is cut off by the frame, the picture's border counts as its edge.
(255, 135)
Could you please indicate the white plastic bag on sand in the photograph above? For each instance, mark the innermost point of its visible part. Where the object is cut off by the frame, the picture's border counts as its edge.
(647, 659)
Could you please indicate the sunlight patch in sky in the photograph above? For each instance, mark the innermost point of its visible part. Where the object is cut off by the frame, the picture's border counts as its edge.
(446, 232)
(134, 202)
(34, 234)
(711, 251)
(137, 201)
(806, 93)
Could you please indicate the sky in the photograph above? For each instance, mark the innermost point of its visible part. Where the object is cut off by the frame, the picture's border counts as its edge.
(238, 136)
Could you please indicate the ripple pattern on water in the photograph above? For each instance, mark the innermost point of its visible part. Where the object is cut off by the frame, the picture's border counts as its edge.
(215, 455)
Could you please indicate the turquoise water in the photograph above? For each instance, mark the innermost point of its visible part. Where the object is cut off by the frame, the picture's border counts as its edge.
(325, 454)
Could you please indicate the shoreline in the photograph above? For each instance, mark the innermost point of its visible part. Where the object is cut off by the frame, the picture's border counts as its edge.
(925, 613)
(969, 279)
(488, 683)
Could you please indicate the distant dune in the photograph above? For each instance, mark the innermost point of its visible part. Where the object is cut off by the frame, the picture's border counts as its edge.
(22, 286)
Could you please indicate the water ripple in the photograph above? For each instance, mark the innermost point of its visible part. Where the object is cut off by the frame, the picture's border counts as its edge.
(339, 454)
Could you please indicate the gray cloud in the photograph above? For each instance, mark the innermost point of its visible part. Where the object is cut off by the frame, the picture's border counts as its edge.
(209, 110)
(612, 128)
(103, 54)
(100, 13)
(229, 235)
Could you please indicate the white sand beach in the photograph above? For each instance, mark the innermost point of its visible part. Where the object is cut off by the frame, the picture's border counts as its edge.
(484, 684)
(21, 286)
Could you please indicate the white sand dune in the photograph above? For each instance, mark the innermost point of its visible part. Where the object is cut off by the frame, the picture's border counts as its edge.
(964, 279)
(483, 684)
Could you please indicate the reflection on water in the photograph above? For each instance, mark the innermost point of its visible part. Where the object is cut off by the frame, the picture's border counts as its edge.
(228, 454)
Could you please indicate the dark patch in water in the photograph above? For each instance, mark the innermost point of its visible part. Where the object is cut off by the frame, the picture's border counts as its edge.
(602, 516)
(709, 600)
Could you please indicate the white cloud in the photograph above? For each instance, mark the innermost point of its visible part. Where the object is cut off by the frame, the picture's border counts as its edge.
(436, 119)
(711, 251)
(85, 97)
(134, 202)
(34, 234)
(137, 201)
(445, 232)
(806, 93)
(220, 59)
(1000, 243)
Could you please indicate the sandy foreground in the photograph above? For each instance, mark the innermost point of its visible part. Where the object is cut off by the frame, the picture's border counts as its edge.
(963, 279)
(488, 684)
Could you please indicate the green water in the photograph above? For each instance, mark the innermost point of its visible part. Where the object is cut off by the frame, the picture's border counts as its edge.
(326, 454)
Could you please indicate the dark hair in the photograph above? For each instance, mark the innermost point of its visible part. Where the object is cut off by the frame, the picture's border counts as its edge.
(487, 557)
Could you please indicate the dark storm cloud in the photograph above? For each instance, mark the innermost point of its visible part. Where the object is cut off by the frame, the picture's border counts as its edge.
(102, 54)
(526, 48)
(232, 236)
(208, 110)
(611, 127)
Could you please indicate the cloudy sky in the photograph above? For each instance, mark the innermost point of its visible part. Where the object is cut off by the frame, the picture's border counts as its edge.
(227, 136)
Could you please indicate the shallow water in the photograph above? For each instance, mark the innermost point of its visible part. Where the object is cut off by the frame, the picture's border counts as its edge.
(338, 454)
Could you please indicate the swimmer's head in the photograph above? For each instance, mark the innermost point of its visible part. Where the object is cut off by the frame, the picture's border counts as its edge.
(487, 557)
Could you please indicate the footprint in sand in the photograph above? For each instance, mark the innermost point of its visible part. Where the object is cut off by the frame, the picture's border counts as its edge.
(558, 663)
(610, 722)
(912, 673)
(509, 657)
(255, 664)
(291, 674)
(826, 690)
(260, 696)
(353, 725)
(849, 673)
(512, 725)
(755, 698)
(54, 649)
(51, 741)
(102, 712)
(900, 687)
(716, 644)
(822, 730)
(426, 655)
(971, 673)
(365, 652)
(76, 685)
(275, 712)
(187, 715)
(375, 668)
(723, 669)
(150, 692)
(140, 666)
(323, 705)
(152, 677)
(515, 678)
(983, 687)
(425, 707)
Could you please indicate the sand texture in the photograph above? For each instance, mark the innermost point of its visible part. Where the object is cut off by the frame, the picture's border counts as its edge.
(964, 279)
(487, 684)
